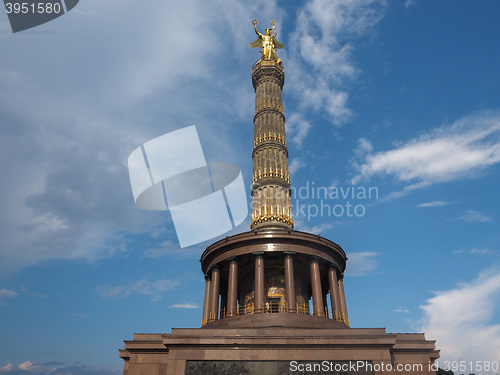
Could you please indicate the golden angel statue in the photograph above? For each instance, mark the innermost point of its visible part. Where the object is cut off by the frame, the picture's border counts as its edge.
(267, 43)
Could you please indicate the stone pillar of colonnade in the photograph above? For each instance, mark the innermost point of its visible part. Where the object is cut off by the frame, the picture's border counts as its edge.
(214, 294)
(316, 288)
(334, 294)
(343, 304)
(290, 282)
(206, 301)
(259, 283)
(232, 287)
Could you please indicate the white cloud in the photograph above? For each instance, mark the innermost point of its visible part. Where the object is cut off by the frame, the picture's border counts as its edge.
(472, 216)
(295, 165)
(360, 264)
(316, 229)
(460, 319)
(482, 251)
(163, 249)
(409, 3)
(5, 293)
(450, 152)
(364, 147)
(57, 368)
(67, 130)
(402, 310)
(435, 204)
(65, 183)
(168, 248)
(297, 128)
(320, 52)
(7, 367)
(474, 251)
(28, 366)
(153, 289)
(185, 306)
(108, 291)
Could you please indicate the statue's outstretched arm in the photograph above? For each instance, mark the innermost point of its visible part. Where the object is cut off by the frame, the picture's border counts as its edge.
(255, 27)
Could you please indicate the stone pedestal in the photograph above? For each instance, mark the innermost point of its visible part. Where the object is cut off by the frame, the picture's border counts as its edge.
(278, 350)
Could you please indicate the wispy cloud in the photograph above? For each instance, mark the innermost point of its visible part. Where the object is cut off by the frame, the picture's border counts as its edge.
(474, 251)
(320, 56)
(24, 289)
(162, 249)
(435, 204)
(184, 306)
(409, 3)
(5, 293)
(7, 367)
(30, 366)
(460, 319)
(153, 289)
(482, 251)
(295, 165)
(362, 263)
(56, 368)
(65, 192)
(300, 224)
(25, 367)
(170, 249)
(447, 153)
(297, 128)
(472, 216)
(364, 147)
(402, 310)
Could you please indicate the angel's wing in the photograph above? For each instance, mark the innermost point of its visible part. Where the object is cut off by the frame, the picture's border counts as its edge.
(257, 43)
(277, 44)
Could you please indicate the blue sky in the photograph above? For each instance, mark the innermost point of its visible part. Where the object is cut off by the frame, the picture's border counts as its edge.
(401, 96)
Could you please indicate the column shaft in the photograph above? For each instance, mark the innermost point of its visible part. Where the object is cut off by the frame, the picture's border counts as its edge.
(259, 284)
(270, 201)
(232, 288)
(290, 284)
(343, 305)
(206, 301)
(316, 288)
(214, 294)
(334, 294)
